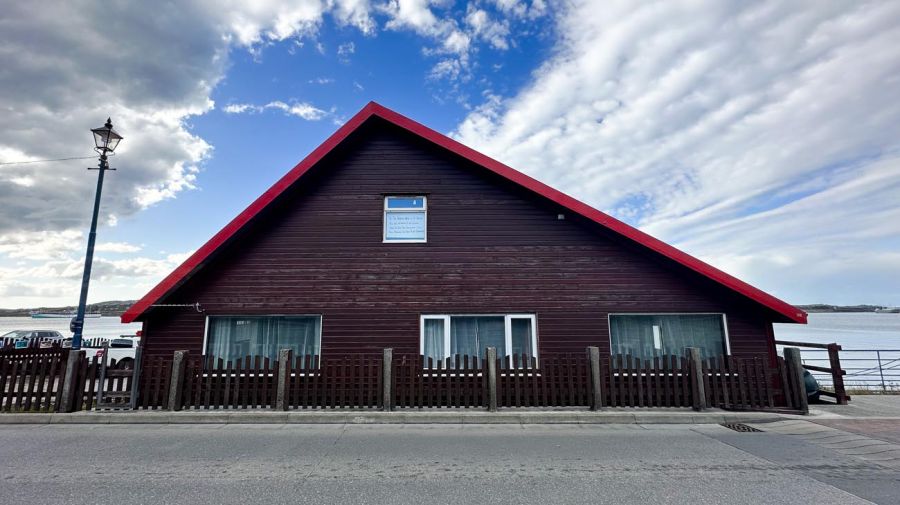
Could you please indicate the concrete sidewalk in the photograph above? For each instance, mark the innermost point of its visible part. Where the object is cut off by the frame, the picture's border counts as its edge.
(861, 406)
(445, 416)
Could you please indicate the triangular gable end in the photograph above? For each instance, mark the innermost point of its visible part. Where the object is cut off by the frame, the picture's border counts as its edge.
(196, 260)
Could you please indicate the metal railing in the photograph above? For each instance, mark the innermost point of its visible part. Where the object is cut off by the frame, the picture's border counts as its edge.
(835, 371)
(867, 369)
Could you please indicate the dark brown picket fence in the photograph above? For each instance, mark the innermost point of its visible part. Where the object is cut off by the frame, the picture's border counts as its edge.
(789, 386)
(241, 384)
(556, 380)
(348, 381)
(31, 379)
(86, 378)
(740, 384)
(420, 382)
(663, 381)
(156, 372)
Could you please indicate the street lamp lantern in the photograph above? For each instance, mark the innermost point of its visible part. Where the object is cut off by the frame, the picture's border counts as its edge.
(105, 139)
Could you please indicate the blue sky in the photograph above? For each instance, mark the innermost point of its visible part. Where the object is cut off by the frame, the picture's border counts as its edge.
(763, 138)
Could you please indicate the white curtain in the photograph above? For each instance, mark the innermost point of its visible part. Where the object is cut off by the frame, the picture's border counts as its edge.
(434, 341)
(235, 337)
(634, 334)
(521, 337)
(471, 335)
(218, 343)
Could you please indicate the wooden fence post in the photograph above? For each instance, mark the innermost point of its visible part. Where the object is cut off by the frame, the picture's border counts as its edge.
(284, 371)
(795, 377)
(491, 358)
(596, 380)
(387, 363)
(73, 363)
(698, 391)
(837, 374)
(101, 385)
(136, 377)
(176, 384)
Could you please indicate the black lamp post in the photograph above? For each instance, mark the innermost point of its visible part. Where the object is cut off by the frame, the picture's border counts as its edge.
(106, 139)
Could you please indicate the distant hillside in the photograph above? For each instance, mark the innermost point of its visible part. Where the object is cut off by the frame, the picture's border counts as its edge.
(821, 307)
(111, 308)
(117, 307)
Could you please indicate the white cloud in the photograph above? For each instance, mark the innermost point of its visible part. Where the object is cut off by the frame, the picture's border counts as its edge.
(414, 14)
(60, 78)
(41, 245)
(457, 42)
(449, 68)
(485, 28)
(117, 247)
(355, 13)
(300, 109)
(453, 37)
(763, 137)
(521, 9)
(57, 282)
(265, 21)
(238, 108)
(344, 51)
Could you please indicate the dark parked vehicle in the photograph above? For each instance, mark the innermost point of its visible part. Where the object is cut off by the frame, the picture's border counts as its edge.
(26, 338)
(812, 386)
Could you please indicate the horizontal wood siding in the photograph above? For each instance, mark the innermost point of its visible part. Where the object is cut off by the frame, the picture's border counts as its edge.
(492, 248)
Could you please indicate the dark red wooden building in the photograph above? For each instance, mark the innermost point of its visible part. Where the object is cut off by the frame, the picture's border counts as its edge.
(392, 235)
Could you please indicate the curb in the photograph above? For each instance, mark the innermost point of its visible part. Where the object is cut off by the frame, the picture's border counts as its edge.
(609, 416)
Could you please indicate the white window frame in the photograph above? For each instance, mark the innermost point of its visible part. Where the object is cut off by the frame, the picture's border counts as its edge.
(423, 210)
(507, 325)
(724, 323)
(206, 325)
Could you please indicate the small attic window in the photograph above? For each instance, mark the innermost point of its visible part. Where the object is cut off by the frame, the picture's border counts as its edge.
(405, 219)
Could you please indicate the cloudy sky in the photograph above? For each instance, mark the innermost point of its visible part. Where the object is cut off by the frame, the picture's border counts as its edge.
(762, 137)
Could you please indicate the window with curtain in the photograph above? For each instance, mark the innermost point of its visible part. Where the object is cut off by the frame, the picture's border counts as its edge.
(234, 337)
(446, 336)
(648, 335)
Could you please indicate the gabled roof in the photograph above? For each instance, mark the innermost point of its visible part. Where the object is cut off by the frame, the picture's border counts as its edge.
(197, 259)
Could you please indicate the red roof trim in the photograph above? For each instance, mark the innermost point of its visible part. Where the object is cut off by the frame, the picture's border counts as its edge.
(373, 109)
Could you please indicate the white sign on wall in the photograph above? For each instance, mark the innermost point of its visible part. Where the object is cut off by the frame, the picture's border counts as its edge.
(404, 226)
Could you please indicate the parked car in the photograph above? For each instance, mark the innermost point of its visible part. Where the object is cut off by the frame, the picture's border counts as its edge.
(120, 349)
(811, 385)
(24, 338)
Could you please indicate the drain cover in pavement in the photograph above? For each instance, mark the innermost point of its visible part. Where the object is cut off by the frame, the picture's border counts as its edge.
(743, 428)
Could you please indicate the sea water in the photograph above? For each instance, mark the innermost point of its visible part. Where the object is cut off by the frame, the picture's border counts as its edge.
(106, 327)
(852, 330)
(876, 368)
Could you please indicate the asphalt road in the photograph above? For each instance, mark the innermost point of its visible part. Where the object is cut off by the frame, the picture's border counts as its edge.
(424, 464)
